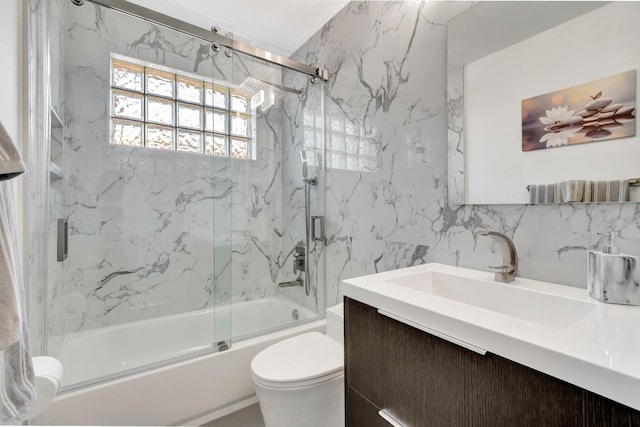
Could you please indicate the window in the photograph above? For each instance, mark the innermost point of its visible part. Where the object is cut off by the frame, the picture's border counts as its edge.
(347, 147)
(155, 107)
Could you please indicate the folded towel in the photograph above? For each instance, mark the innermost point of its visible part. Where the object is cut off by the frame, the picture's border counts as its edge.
(10, 166)
(543, 193)
(9, 316)
(10, 163)
(17, 390)
(588, 191)
(609, 191)
(17, 384)
(572, 191)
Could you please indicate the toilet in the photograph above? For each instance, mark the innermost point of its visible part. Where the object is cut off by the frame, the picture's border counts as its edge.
(47, 373)
(300, 381)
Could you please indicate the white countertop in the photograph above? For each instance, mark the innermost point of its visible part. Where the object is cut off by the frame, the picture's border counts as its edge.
(599, 350)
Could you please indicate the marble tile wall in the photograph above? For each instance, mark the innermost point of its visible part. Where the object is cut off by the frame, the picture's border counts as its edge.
(387, 210)
(142, 240)
(139, 220)
(389, 66)
(302, 129)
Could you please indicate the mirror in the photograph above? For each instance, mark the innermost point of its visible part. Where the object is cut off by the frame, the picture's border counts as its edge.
(500, 54)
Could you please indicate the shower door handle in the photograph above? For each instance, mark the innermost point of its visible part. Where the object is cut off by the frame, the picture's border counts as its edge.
(317, 228)
(62, 244)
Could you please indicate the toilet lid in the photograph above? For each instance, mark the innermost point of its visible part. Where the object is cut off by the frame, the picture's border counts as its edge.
(302, 360)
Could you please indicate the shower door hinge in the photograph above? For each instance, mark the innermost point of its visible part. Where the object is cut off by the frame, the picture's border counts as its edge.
(222, 346)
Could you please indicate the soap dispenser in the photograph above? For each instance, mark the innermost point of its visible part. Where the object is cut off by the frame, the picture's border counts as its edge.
(613, 277)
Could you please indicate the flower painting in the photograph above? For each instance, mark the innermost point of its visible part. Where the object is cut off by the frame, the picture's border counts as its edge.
(596, 111)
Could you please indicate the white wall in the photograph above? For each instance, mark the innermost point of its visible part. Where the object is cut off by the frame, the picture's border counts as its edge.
(10, 67)
(12, 83)
(596, 45)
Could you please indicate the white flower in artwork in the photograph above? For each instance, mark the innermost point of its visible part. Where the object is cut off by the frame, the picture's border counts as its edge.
(558, 115)
(556, 139)
(561, 125)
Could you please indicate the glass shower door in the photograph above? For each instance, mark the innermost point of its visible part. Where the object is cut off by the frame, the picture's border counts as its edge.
(268, 212)
(148, 271)
(220, 101)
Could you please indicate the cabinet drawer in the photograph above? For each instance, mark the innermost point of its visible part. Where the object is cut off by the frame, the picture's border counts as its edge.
(425, 380)
(601, 411)
(362, 413)
(412, 374)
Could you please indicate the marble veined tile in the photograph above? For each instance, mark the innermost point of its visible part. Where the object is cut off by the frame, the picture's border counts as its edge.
(389, 67)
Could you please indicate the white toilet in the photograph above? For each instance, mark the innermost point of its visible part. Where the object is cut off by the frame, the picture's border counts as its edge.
(48, 377)
(300, 381)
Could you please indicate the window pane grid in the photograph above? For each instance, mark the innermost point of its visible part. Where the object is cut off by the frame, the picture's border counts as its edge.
(165, 110)
(347, 146)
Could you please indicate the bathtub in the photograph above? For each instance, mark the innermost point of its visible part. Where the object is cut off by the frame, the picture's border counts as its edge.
(187, 392)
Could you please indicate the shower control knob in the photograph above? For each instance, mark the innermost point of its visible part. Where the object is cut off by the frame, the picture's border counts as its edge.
(298, 259)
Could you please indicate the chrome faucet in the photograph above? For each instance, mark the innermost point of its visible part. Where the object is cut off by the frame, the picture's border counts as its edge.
(507, 272)
(299, 266)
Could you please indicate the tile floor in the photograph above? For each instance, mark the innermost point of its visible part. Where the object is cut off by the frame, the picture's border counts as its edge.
(247, 417)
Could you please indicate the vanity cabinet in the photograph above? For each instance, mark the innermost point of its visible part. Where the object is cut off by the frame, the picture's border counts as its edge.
(422, 380)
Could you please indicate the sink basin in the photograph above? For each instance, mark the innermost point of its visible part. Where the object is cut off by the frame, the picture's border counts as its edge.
(509, 299)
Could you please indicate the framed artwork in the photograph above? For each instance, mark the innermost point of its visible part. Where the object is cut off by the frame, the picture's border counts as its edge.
(599, 110)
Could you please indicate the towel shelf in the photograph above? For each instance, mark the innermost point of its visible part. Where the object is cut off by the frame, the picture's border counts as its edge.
(55, 172)
(56, 122)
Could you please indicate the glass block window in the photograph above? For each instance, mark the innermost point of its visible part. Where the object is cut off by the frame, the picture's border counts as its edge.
(154, 107)
(347, 146)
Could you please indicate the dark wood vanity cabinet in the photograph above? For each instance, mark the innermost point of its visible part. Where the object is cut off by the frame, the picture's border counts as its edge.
(422, 380)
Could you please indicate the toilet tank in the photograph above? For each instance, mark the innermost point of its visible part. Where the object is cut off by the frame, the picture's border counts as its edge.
(335, 323)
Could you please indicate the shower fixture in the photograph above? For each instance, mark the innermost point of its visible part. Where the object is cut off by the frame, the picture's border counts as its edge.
(251, 86)
(305, 170)
(291, 283)
(264, 94)
(308, 182)
(316, 221)
(299, 265)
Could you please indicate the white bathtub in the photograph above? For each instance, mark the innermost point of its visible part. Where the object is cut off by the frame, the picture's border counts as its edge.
(192, 391)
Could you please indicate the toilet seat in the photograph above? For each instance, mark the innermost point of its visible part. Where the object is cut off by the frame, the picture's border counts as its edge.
(299, 361)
